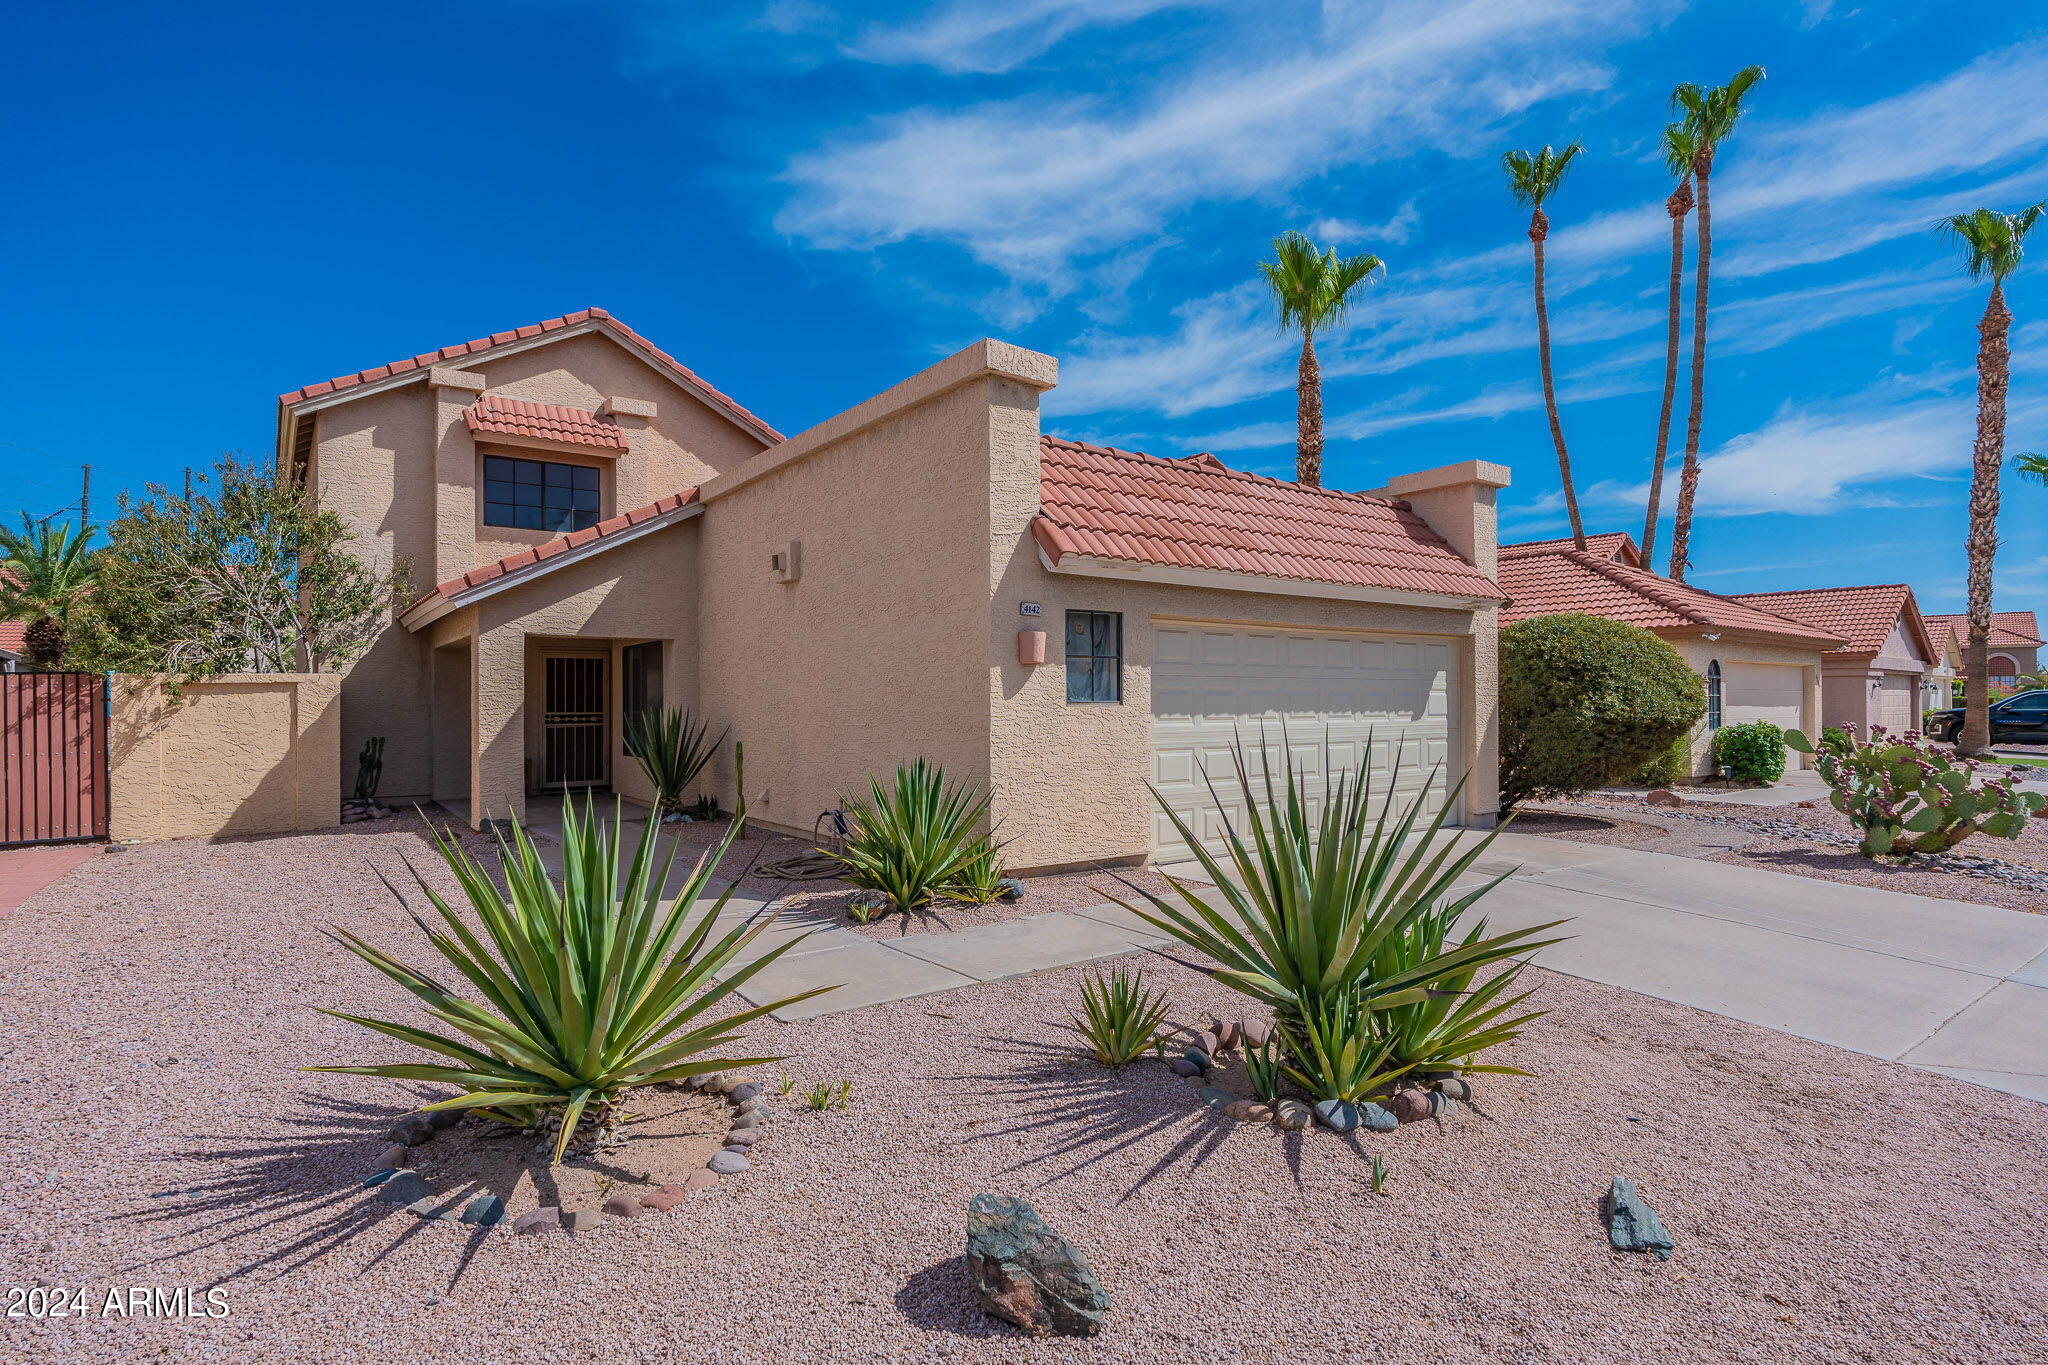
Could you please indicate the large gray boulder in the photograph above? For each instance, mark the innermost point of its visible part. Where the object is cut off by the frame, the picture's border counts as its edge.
(1029, 1275)
(1633, 1225)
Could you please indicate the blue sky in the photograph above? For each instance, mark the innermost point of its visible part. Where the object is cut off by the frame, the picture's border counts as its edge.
(807, 202)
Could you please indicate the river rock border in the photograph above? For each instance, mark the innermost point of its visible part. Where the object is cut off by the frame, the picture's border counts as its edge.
(1205, 1051)
(393, 1183)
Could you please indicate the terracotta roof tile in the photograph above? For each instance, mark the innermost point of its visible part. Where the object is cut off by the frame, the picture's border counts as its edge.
(1196, 514)
(476, 578)
(427, 359)
(1619, 546)
(2011, 629)
(14, 636)
(1862, 616)
(1581, 581)
(548, 421)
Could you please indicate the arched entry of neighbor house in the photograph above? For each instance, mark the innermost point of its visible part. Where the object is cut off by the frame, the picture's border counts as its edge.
(2004, 667)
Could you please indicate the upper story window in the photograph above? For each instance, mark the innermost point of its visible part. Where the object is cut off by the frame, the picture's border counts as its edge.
(1714, 695)
(539, 495)
(1095, 656)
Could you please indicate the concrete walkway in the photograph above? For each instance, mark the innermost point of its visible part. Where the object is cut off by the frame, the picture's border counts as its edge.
(1799, 784)
(25, 871)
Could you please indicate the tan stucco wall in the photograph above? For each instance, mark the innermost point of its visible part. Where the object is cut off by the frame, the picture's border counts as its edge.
(1698, 652)
(248, 753)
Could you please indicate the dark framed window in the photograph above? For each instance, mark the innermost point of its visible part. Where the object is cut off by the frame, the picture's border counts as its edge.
(640, 679)
(1095, 656)
(1714, 695)
(2029, 701)
(539, 495)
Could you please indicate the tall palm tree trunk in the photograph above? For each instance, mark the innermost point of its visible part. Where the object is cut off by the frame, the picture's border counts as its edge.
(43, 643)
(1678, 206)
(1993, 363)
(1539, 228)
(1308, 416)
(1689, 473)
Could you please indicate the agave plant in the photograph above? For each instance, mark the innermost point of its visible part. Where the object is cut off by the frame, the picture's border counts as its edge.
(672, 747)
(910, 840)
(1120, 1017)
(591, 988)
(1336, 1052)
(1305, 909)
(980, 880)
(1262, 1067)
(1458, 1021)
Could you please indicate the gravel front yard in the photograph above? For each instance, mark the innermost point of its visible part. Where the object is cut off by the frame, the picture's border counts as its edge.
(1828, 1207)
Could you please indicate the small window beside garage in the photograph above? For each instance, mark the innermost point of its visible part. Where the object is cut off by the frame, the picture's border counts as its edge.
(1714, 694)
(640, 679)
(1095, 656)
(539, 495)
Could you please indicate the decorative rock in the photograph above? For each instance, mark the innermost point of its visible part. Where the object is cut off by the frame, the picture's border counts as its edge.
(1439, 1102)
(1631, 1224)
(394, 1156)
(404, 1187)
(746, 1121)
(486, 1210)
(1409, 1106)
(1238, 1109)
(1339, 1116)
(1216, 1097)
(1377, 1119)
(753, 1106)
(1009, 889)
(1206, 1043)
(1183, 1067)
(580, 1220)
(622, 1205)
(699, 1180)
(537, 1220)
(662, 1198)
(1255, 1032)
(1259, 1113)
(378, 1177)
(1198, 1058)
(874, 902)
(1455, 1088)
(742, 1093)
(728, 1163)
(743, 1137)
(430, 1207)
(1229, 1035)
(411, 1130)
(695, 1082)
(1664, 796)
(1027, 1274)
(1292, 1115)
(445, 1118)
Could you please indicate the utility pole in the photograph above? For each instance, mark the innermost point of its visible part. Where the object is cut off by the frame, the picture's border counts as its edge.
(188, 483)
(85, 498)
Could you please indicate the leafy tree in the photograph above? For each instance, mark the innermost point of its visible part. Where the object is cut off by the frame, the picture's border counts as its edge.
(1585, 702)
(43, 568)
(1681, 149)
(246, 574)
(1313, 289)
(1710, 116)
(1532, 178)
(1991, 243)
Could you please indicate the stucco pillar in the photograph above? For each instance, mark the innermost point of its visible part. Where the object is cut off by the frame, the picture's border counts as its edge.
(455, 472)
(634, 417)
(497, 717)
(1460, 504)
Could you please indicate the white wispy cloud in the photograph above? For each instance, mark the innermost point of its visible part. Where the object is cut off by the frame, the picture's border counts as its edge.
(976, 36)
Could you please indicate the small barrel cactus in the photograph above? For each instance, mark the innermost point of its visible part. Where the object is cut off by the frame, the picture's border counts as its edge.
(1907, 796)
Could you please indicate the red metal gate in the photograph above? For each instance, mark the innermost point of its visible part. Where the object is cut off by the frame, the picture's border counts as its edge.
(53, 757)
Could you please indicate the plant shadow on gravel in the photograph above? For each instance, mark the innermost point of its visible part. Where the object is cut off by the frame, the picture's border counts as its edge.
(288, 1201)
(941, 1298)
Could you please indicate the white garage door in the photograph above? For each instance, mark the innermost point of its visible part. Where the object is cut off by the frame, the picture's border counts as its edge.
(1772, 692)
(1898, 702)
(1339, 700)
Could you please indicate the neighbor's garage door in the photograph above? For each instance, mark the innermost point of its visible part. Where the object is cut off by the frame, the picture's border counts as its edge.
(1329, 693)
(1772, 692)
(1898, 702)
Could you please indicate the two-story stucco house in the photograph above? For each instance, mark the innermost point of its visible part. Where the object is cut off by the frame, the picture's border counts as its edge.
(2015, 644)
(925, 573)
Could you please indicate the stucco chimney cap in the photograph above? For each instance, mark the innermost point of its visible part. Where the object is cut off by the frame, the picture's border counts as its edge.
(1484, 473)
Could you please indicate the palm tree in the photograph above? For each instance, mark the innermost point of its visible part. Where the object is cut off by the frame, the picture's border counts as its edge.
(1991, 243)
(1710, 116)
(1681, 148)
(1532, 178)
(2033, 467)
(43, 568)
(1313, 289)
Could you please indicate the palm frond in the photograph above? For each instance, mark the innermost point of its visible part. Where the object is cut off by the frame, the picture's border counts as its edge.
(1312, 286)
(1534, 176)
(1991, 242)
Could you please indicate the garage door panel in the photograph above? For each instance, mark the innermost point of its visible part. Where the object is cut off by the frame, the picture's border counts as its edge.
(1769, 692)
(1334, 702)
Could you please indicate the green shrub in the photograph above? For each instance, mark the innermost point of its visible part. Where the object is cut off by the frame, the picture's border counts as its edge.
(1911, 796)
(1119, 1017)
(593, 986)
(1834, 739)
(1585, 702)
(1752, 752)
(1668, 766)
(911, 840)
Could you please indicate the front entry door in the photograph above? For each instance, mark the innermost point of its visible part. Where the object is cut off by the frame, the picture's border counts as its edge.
(573, 722)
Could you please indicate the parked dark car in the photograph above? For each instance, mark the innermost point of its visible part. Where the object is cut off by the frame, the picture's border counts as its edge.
(2021, 718)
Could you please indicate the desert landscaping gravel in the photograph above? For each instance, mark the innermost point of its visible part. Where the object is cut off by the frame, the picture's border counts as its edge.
(1827, 1207)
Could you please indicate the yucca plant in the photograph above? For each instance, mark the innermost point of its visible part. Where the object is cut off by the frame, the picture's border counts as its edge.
(911, 839)
(672, 747)
(980, 880)
(1262, 1067)
(1119, 1016)
(1458, 1021)
(1337, 1053)
(591, 987)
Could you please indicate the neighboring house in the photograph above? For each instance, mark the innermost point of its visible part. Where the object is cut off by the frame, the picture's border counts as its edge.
(2015, 643)
(13, 646)
(923, 574)
(1756, 664)
(1878, 675)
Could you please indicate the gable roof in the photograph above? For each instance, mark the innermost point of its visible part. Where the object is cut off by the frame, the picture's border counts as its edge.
(1581, 581)
(2011, 629)
(1618, 546)
(1104, 503)
(14, 637)
(548, 421)
(569, 324)
(1863, 616)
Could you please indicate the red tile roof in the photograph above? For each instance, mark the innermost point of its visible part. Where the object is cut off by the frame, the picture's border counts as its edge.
(1196, 514)
(1863, 617)
(467, 349)
(516, 417)
(14, 637)
(1581, 581)
(610, 526)
(2010, 629)
(1619, 546)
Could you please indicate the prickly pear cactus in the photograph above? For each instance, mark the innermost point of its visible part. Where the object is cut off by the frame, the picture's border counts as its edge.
(1907, 796)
